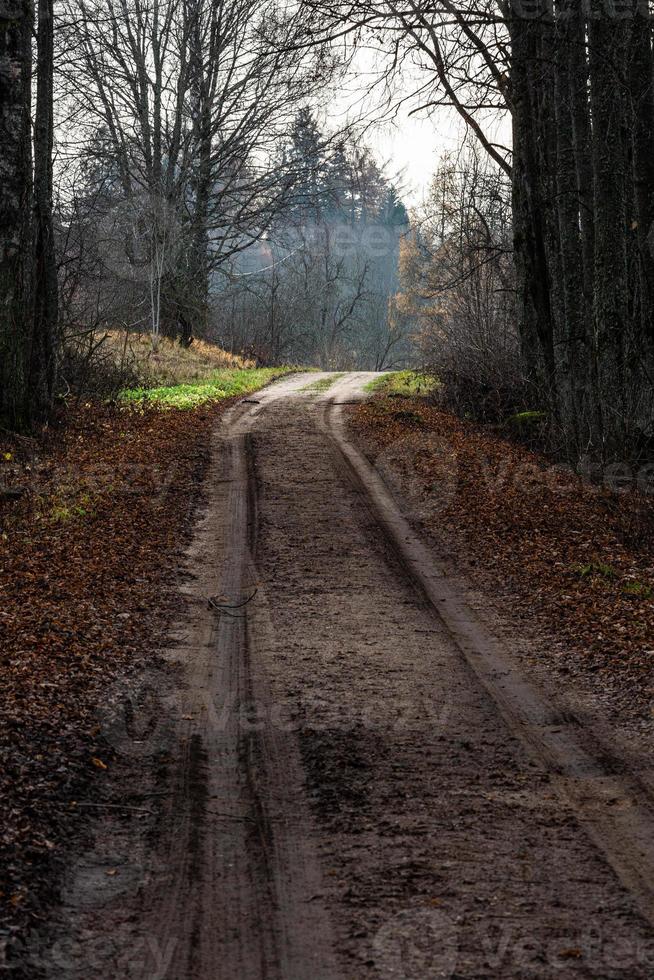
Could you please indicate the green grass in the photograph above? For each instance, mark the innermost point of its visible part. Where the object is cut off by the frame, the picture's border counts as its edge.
(528, 416)
(222, 384)
(637, 590)
(595, 568)
(322, 384)
(403, 384)
(632, 589)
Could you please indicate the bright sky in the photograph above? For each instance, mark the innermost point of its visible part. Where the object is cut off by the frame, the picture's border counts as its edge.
(407, 144)
(411, 145)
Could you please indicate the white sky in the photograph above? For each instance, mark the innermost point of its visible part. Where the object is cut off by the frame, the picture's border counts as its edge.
(411, 145)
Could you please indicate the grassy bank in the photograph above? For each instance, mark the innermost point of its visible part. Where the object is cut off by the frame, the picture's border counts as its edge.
(405, 384)
(221, 384)
(167, 362)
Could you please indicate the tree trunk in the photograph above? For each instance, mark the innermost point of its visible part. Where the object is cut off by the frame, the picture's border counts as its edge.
(16, 17)
(608, 46)
(641, 91)
(574, 345)
(43, 361)
(580, 112)
(529, 232)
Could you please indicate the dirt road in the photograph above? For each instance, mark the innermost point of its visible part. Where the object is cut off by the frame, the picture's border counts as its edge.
(341, 773)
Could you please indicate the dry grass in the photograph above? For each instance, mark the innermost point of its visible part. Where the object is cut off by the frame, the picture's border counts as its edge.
(169, 363)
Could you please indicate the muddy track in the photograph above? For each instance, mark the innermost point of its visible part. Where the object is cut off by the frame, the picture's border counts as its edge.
(352, 778)
(614, 807)
(243, 871)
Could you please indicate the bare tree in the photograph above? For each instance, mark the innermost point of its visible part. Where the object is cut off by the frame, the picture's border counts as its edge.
(321, 284)
(15, 201)
(193, 100)
(457, 284)
(578, 83)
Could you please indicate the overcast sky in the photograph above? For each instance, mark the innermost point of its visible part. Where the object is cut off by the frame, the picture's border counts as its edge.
(413, 146)
(410, 144)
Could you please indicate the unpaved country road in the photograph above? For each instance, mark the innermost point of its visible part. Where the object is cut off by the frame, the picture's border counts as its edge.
(347, 776)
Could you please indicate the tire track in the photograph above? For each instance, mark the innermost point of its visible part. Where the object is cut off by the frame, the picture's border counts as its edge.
(239, 898)
(614, 809)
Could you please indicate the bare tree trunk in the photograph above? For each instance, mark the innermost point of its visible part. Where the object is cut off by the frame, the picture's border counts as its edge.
(533, 274)
(575, 346)
(641, 90)
(580, 112)
(16, 17)
(43, 361)
(608, 45)
(201, 84)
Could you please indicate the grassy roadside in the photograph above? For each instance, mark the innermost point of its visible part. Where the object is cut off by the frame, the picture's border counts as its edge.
(166, 362)
(403, 384)
(228, 383)
(573, 559)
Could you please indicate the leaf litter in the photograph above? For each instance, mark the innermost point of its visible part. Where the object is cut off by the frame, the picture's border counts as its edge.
(89, 552)
(573, 555)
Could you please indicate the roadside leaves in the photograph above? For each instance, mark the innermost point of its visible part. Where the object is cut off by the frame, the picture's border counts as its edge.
(574, 555)
(87, 557)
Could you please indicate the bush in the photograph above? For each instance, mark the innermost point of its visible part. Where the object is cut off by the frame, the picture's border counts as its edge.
(89, 368)
(479, 370)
